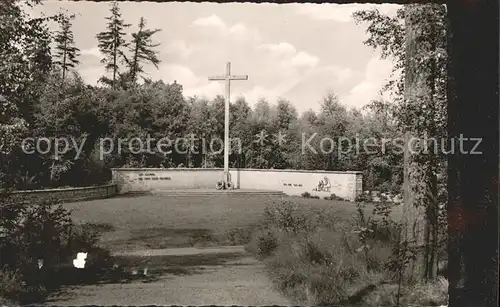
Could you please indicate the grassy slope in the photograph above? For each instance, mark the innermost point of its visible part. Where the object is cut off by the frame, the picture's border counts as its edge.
(161, 222)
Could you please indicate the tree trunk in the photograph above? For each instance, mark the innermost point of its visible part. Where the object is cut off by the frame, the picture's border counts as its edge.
(64, 63)
(134, 67)
(473, 176)
(115, 50)
(416, 91)
(432, 202)
(413, 219)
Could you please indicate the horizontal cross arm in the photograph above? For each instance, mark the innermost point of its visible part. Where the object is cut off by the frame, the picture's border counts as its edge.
(217, 78)
(230, 77)
(237, 77)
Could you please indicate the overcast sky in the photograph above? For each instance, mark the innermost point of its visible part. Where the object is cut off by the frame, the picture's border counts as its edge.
(295, 51)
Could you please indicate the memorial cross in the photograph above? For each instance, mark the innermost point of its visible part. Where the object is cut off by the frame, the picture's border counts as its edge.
(227, 78)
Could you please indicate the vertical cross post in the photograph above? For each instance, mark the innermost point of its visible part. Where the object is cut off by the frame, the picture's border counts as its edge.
(227, 78)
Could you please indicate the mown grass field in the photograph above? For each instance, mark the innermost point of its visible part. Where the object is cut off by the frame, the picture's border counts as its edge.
(132, 223)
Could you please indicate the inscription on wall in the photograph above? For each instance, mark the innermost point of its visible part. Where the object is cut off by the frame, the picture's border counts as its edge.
(151, 176)
(296, 185)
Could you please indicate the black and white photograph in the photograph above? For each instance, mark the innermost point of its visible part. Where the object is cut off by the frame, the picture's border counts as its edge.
(249, 154)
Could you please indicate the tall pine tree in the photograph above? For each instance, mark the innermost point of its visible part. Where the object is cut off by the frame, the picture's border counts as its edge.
(66, 52)
(142, 50)
(111, 43)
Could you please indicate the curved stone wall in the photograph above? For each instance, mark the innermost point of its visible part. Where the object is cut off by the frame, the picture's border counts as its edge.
(72, 194)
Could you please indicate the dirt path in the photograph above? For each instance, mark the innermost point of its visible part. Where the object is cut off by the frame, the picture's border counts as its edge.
(183, 276)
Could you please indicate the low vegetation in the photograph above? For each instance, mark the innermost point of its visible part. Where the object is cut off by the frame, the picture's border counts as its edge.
(39, 240)
(321, 258)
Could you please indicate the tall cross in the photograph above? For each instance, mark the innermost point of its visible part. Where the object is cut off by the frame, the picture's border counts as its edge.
(228, 77)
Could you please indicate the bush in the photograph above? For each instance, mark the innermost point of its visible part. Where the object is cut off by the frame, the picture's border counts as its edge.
(312, 257)
(287, 217)
(263, 242)
(334, 197)
(267, 244)
(364, 198)
(306, 195)
(428, 294)
(317, 258)
(41, 229)
(11, 284)
(314, 273)
(237, 236)
(32, 231)
(14, 288)
(315, 254)
(420, 294)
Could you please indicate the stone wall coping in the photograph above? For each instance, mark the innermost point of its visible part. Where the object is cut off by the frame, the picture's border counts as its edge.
(236, 169)
(64, 189)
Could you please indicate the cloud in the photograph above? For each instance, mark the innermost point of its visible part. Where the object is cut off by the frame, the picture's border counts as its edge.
(341, 74)
(180, 73)
(91, 74)
(238, 32)
(211, 21)
(342, 12)
(312, 86)
(289, 56)
(260, 92)
(271, 94)
(302, 90)
(192, 84)
(277, 68)
(206, 90)
(274, 68)
(178, 47)
(94, 51)
(242, 32)
(238, 28)
(279, 49)
(304, 59)
(376, 75)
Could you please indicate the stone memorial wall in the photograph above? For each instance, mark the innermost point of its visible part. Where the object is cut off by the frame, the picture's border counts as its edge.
(292, 182)
(71, 194)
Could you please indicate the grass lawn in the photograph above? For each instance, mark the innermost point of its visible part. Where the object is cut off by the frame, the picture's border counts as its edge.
(160, 222)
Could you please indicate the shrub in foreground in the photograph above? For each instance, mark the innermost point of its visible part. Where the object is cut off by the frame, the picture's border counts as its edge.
(36, 239)
(318, 259)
